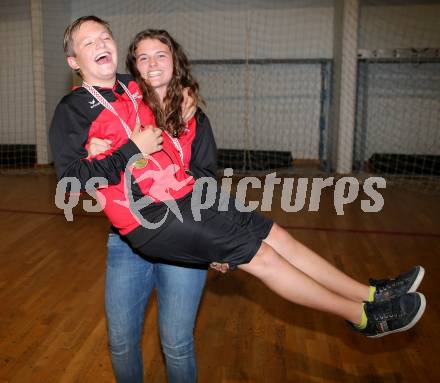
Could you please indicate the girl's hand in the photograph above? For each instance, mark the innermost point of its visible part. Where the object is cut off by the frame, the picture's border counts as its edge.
(98, 146)
(188, 106)
(148, 140)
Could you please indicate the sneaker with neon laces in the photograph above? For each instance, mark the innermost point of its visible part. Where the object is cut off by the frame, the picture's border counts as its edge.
(397, 315)
(387, 289)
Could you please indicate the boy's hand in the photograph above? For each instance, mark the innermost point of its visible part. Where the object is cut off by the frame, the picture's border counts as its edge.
(188, 106)
(222, 267)
(98, 146)
(148, 139)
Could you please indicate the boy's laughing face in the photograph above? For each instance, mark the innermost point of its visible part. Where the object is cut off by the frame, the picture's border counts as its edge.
(96, 54)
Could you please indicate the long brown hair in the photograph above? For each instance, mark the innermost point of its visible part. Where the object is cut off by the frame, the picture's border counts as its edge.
(168, 117)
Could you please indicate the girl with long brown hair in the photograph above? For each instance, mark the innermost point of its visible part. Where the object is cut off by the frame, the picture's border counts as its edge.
(248, 240)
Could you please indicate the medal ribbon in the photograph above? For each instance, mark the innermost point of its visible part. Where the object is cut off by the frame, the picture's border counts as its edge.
(139, 164)
(110, 107)
(177, 145)
(98, 96)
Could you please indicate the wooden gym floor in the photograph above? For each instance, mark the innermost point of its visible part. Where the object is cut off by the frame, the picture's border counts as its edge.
(52, 325)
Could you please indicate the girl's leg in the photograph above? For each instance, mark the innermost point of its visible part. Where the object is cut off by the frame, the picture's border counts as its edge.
(179, 290)
(128, 284)
(315, 266)
(294, 285)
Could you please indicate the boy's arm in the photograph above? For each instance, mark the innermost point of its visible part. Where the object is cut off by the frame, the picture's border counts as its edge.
(203, 149)
(68, 135)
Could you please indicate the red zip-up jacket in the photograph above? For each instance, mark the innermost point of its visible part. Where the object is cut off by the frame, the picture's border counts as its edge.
(79, 117)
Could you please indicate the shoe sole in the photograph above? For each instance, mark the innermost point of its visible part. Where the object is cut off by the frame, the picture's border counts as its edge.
(409, 325)
(418, 280)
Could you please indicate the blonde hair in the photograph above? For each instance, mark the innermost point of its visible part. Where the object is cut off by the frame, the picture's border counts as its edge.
(74, 26)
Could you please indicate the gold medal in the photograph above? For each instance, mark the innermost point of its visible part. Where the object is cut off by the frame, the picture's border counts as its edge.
(140, 164)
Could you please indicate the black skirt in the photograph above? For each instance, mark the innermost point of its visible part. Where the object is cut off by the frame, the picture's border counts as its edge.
(229, 236)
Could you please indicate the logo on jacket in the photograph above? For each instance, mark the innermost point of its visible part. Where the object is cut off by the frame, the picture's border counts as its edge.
(93, 103)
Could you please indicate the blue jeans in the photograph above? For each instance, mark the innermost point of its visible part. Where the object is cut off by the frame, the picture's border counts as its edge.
(129, 281)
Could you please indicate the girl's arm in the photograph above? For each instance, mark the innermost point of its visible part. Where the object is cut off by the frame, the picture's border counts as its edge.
(204, 149)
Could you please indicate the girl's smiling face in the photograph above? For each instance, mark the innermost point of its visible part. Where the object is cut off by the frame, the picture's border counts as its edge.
(154, 62)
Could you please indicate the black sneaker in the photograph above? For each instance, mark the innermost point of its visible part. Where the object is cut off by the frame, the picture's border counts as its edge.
(396, 315)
(387, 289)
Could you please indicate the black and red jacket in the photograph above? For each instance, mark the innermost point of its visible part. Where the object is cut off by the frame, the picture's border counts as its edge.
(79, 117)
